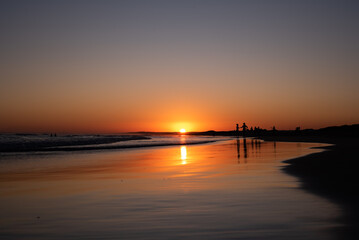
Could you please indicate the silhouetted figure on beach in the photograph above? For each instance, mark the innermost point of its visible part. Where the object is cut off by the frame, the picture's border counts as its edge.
(274, 130)
(297, 130)
(237, 129)
(244, 129)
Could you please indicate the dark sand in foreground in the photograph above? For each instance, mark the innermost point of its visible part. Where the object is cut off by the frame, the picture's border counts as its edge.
(331, 174)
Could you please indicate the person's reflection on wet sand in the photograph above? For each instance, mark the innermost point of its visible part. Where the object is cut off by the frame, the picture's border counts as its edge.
(275, 149)
(238, 148)
(257, 144)
(245, 148)
(252, 146)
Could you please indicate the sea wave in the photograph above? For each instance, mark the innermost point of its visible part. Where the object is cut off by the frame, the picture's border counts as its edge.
(44, 142)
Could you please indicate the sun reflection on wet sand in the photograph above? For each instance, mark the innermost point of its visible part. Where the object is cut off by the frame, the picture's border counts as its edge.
(240, 186)
(205, 161)
(184, 154)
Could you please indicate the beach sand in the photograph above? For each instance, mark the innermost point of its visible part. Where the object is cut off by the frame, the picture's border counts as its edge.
(331, 174)
(226, 190)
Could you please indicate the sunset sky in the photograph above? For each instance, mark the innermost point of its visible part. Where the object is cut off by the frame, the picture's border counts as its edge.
(118, 66)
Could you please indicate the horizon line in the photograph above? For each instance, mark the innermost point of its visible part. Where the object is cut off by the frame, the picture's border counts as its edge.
(165, 132)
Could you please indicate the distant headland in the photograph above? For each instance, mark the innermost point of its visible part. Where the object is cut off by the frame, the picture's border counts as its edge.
(331, 131)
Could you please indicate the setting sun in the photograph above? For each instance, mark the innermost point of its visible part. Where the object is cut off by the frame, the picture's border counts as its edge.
(182, 130)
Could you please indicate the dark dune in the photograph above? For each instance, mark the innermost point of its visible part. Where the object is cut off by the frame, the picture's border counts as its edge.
(331, 174)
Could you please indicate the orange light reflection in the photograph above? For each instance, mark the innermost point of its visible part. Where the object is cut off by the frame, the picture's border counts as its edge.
(184, 154)
(160, 169)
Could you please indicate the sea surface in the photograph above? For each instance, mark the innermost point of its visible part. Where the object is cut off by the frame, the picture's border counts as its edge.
(48, 143)
(223, 188)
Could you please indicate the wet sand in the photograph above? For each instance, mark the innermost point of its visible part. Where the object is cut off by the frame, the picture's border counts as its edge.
(331, 174)
(226, 190)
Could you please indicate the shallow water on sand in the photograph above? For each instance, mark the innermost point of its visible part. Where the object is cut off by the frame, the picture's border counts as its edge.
(225, 190)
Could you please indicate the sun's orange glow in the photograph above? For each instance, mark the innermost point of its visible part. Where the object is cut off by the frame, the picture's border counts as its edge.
(180, 75)
(182, 130)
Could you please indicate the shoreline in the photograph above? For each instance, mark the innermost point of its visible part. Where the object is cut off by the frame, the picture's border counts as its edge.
(330, 174)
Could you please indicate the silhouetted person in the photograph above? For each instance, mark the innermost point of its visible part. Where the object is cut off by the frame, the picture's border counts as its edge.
(244, 129)
(274, 130)
(237, 129)
(297, 130)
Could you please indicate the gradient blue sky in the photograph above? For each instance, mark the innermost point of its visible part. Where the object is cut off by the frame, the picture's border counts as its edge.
(110, 66)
